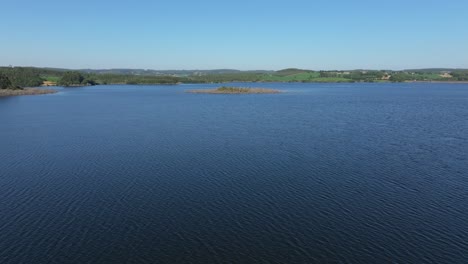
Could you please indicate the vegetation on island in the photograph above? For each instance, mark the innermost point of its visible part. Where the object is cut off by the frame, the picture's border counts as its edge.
(235, 90)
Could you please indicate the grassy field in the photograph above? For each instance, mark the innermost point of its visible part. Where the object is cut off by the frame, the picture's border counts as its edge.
(431, 76)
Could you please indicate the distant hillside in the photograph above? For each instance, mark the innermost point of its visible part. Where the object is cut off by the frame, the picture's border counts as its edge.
(32, 76)
(180, 73)
(291, 71)
(435, 70)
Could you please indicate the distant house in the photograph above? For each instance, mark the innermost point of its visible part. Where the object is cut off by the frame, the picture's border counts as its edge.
(49, 83)
(446, 75)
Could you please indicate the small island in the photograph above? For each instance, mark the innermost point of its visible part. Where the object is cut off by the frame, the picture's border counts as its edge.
(235, 90)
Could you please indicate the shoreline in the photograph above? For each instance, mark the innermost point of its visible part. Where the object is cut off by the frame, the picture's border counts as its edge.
(261, 82)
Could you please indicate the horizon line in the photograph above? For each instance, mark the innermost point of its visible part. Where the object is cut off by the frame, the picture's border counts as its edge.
(232, 69)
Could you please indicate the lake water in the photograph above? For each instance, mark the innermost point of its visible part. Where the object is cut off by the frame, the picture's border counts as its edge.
(333, 173)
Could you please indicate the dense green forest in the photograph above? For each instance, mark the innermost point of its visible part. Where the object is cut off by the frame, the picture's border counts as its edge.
(460, 75)
(5, 82)
(32, 77)
(74, 78)
(23, 77)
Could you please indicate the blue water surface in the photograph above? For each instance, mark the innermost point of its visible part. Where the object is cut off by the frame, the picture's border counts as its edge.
(330, 173)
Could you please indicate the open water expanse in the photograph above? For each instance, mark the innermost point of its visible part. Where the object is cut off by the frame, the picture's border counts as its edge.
(322, 173)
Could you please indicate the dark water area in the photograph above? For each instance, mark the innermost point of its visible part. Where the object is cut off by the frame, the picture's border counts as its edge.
(322, 173)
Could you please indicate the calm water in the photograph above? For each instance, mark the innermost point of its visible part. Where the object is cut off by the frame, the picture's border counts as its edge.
(334, 173)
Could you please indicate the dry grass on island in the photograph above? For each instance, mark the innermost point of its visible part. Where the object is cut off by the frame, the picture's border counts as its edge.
(25, 91)
(235, 90)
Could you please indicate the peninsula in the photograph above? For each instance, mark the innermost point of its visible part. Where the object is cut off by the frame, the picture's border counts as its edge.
(25, 91)
(7, 88)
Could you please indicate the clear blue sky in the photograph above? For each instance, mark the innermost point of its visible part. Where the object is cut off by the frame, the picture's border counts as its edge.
(241, 34)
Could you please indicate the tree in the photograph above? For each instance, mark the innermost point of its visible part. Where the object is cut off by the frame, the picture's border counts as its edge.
(460, 75)
(22, 77)
(88, 82)
(5, 83)
(71, 78)
(399, 77)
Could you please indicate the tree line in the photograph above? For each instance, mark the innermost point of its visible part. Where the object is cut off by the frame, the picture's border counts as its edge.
(14, 77)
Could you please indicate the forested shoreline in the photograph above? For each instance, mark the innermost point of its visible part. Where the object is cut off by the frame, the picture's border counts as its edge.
(17, 77)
